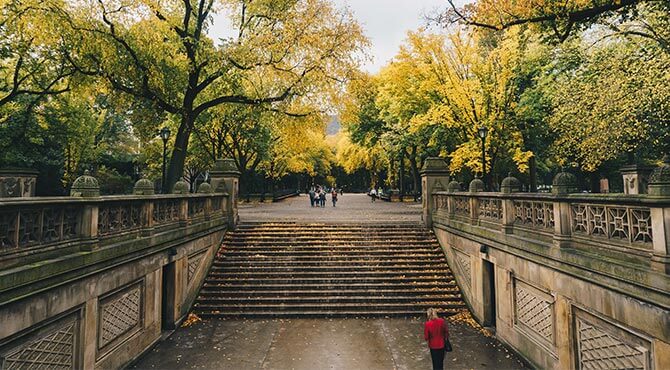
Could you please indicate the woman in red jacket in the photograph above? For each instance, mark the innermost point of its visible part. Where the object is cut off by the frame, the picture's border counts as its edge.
(436, 333)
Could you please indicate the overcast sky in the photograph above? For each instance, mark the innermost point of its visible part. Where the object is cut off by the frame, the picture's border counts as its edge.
(385, 22)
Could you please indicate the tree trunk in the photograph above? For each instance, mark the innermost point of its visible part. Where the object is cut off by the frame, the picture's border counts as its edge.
(178, 158)
(532, 164)
(415, 170)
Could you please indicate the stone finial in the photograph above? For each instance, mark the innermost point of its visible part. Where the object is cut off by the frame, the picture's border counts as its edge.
(85, 186)
(564, 183)
(510, 184)
(181, 187)
(144, 186)
(205, 188)
(659, 181)
(476, 185)
(454, 186)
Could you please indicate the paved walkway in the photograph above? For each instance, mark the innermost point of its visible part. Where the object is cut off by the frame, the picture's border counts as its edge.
(314, 344)
(350, 208)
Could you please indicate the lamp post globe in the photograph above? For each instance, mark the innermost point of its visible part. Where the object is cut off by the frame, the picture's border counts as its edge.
(165, 135)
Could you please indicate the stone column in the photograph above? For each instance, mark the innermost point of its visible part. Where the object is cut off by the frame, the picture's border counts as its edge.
(635, 178)
(564, 183)
(225, 179)
(659, 187)
(476, 186)
(434, 174)
(509, 185)
(145, 186)
(17, 182)
(87, 186)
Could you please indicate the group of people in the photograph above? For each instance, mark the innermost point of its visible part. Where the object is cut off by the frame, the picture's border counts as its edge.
(317, 196)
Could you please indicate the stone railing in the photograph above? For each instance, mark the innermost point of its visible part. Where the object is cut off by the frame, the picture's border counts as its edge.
(30, 226)
(99, 277)
(623, 223)
(570, 280)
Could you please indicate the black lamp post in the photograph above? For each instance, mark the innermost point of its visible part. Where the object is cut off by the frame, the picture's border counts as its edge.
(165, 135)
(482, 132)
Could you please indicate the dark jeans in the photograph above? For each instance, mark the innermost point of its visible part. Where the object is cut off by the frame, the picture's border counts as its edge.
(437, 355)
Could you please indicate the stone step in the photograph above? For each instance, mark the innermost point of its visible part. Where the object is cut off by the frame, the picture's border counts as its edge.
(331, 273)
(320, 263)
(228, 286)
(328, 235)
(325, 269)
(297, 282)
(352, 253)
(208, 291)
(334, 248)
(369, 301)
(216, 313)
(352, 307)
(336, 225)
(332, 245)
(316, 258)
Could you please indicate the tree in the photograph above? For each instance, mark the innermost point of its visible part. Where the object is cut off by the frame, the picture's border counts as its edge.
(559, 18)
(159, 52)
(32, 59)
(619, 102)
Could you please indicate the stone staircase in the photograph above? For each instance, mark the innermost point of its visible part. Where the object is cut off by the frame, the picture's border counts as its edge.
(328, 270)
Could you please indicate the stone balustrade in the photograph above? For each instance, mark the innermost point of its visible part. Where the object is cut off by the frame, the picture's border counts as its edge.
(91, 281)
(570, 280)
(595, 222)
(30, 226)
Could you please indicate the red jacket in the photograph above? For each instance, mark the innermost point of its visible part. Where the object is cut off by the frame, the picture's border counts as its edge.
(436, 333)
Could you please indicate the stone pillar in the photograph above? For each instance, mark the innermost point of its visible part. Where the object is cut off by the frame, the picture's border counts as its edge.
(564, 183)
(87, 186)
(659, 187)
(145, 186)
(509, 185)
(226, 179)
(476, 186)
(434, 174)
(174, 284)
(635, 178)
(17, 183)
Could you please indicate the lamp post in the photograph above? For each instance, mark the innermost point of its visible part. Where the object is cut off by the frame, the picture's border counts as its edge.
(482, 132)
(165, 135)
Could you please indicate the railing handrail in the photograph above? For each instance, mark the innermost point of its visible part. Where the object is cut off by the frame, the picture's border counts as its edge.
(609, 198)
(9, 202)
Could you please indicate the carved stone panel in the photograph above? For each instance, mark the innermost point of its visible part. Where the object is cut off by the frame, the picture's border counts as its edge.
(120, 314)
(53, 347)
(602, 345)
(194, 262)
(464, 265)
(534, 312)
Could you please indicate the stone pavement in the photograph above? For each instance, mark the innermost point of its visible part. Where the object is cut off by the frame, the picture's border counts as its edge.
(350, 208)
(313, 344)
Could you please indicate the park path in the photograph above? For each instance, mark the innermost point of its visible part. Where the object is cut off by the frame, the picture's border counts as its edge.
(350, 208)
(337, 343)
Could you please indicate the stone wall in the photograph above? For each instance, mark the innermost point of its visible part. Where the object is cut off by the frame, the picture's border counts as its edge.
(94, 282)
(571, 281)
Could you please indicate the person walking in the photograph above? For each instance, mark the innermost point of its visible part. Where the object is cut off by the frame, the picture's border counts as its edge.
(436, 333)
(312, 195)
(373, 194)
(333, 196)
(322, 197)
